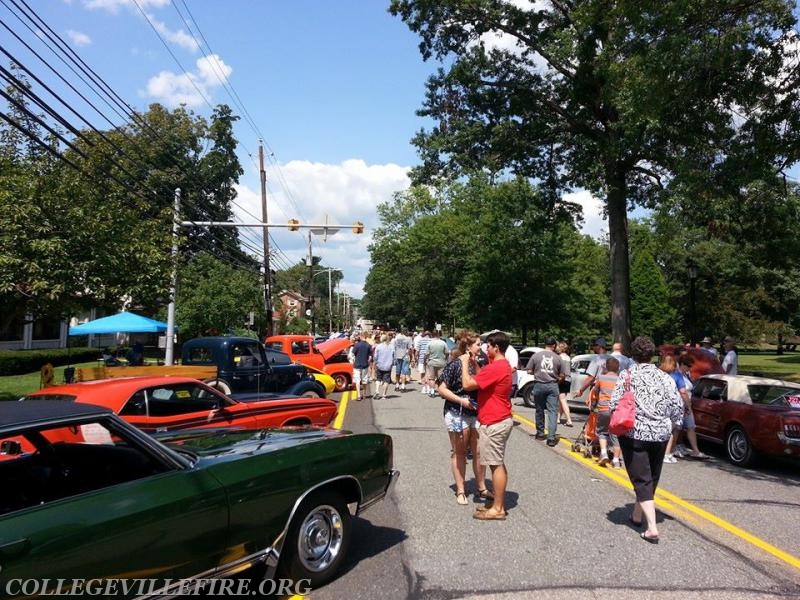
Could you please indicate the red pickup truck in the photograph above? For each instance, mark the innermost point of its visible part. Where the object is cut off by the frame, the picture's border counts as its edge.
(329, 357)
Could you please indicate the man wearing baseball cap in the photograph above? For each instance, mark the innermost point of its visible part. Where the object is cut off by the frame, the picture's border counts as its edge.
(546, 367)
(596, 368)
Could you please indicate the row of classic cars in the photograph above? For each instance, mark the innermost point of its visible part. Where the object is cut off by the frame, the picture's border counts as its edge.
(167, 478)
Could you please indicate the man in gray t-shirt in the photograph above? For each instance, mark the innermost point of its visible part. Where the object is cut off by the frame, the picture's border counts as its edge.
(547, 368)
(437, 359)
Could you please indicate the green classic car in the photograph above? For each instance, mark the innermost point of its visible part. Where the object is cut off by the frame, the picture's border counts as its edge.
(86, 496)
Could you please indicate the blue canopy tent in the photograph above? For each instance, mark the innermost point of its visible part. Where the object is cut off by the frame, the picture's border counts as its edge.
(124, 322)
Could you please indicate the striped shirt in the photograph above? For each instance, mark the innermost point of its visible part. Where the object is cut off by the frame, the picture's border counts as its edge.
(603, 387)
(421, 347)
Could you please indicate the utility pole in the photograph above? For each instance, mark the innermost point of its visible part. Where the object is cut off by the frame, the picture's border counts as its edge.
(267, 271)
(169, 348)
(311, 283)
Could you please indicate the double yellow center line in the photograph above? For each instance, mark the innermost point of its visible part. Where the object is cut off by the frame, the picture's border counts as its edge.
(679, 507)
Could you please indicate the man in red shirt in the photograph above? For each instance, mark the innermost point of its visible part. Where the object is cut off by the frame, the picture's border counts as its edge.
(493, 383)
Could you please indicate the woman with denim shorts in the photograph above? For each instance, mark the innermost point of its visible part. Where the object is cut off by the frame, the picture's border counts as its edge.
(460, 419)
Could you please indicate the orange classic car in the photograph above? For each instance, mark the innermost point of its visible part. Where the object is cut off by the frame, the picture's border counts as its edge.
(156, 404)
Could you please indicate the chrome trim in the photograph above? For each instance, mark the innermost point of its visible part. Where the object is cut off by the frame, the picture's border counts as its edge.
(277, 546)
(784, 439)
(231, 568)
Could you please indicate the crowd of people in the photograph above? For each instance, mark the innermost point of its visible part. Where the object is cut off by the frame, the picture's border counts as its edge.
(477, 381)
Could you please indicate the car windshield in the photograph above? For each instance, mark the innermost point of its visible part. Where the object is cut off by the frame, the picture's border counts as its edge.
(772, 394)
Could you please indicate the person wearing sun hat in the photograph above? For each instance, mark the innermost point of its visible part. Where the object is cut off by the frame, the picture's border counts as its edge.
(707, 346)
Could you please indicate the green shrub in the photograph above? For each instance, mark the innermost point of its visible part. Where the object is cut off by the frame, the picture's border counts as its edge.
(18, 362)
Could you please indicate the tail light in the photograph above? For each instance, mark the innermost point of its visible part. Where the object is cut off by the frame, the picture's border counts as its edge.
(791, 428)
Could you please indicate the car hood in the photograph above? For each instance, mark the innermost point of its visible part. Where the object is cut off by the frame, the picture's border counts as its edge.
(231, 442)
(334, 346)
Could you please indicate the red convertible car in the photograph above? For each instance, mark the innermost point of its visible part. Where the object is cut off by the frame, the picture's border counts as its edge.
(750, 415)
(156, 404)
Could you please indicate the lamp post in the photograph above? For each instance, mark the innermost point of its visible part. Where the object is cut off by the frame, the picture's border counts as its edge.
(691, 267)
(330, 295)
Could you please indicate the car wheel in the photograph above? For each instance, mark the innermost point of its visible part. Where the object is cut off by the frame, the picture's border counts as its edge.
(737, 445)
(310, 394)
(342, 382)
(318, 539)
(527, 396)
(220, 385)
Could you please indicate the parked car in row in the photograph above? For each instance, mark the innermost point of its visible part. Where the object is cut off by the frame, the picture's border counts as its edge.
(166, 403)
(329, 356)
(749, 415)
(87, 496)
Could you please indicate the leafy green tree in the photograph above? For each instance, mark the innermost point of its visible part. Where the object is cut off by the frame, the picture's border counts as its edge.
(94, 229)
(215, 297)
(620, 99)
(651, 310)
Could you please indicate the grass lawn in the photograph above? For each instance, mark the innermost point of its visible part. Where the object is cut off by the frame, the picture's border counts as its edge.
(14, 386)
(786, 366)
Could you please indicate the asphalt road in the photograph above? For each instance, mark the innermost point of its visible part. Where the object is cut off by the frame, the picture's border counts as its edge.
(725, 532)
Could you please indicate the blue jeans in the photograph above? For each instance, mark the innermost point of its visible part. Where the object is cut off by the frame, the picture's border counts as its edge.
(545, 396)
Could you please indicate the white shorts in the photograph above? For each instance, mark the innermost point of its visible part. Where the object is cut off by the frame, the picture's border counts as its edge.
(457, 422)
(360, 376)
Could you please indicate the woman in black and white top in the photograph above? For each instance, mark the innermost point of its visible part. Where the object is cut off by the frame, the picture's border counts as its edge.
(659, 408)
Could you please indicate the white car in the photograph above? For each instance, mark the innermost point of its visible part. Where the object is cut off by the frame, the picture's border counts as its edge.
(580, 362)
(525, 379)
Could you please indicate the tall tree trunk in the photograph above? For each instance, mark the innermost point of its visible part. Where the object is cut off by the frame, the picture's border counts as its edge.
(616, 201)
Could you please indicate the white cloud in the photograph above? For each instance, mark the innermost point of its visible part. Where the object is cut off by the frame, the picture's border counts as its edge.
(595, 223)
(114, 6)
(192, 89)
(345, 193)
(78, 38)
(179, 38)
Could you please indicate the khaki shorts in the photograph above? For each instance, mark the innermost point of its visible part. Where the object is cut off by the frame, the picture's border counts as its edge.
(492, 440)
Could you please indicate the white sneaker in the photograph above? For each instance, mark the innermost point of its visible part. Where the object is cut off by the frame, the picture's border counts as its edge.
(669, 459)
(604, 460)
(615, 464)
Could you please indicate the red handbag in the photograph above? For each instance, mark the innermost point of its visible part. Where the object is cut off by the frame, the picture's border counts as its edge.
(624, 415)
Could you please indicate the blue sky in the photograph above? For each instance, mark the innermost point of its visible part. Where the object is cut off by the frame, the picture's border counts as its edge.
(332, 86)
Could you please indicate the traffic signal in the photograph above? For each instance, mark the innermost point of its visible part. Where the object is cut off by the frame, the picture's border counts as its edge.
(294, 225)
(358, 227)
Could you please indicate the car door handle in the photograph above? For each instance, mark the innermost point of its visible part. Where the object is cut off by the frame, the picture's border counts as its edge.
(15, 548)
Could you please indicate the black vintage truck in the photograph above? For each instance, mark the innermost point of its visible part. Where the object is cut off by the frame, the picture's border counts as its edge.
(237, 366)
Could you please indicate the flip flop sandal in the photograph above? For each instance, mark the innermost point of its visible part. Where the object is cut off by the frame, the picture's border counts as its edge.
(649, 539)
(461, 498)
(485, 494)
(488, 515)
(488, 507)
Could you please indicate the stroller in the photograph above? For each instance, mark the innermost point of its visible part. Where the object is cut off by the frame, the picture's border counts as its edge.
(587, 442)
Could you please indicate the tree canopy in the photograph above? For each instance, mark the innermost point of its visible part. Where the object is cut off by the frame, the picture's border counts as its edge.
(625, 99)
